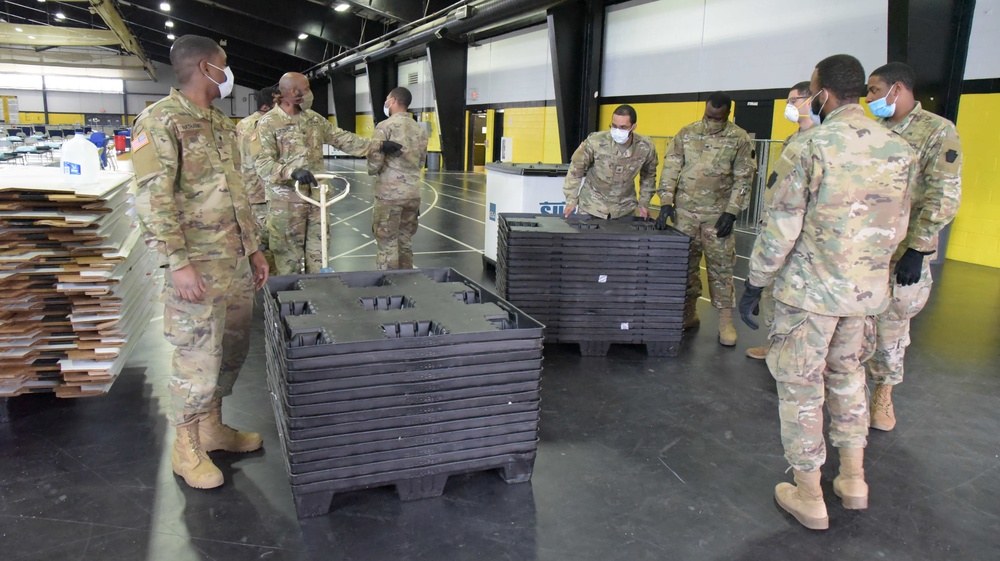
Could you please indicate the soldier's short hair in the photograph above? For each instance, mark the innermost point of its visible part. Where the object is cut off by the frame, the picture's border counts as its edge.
(843, 75)
(402, 96)
(626, 110)
(802, 88)
(720, 99)
(187, 50)
(896, 72)
(266, 96)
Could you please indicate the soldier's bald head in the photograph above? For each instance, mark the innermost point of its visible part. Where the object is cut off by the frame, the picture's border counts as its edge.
(188, 50)
(291, 82)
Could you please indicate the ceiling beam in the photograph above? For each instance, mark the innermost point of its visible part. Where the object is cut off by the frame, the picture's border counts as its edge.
(401, 11)
(339, 28)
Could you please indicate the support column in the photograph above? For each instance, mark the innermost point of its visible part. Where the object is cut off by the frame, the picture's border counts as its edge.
(321, 94)
(448, 62)
(932, 37)
(344, 100)
(383, 75)
(576, 40)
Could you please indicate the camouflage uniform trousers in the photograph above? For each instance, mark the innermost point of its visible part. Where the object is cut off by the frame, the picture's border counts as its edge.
(211, 338)
(393, 223)
(892, 327)
(767, 305)
(720, 258)
(259, 211)
(816, 358)
(293, 232)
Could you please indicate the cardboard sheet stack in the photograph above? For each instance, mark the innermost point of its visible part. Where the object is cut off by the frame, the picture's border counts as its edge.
(595, 282)
(77, 283)
(399, 378)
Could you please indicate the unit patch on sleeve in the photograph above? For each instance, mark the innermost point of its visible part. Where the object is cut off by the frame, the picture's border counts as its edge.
(140, 141)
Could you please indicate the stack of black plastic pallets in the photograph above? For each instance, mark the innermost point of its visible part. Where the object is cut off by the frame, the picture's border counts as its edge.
(399, 378)
(596, 282)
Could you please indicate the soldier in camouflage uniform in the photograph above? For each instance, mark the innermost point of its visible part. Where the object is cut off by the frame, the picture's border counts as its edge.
(934, 200)
(196, 214)
(397, 195)
(246, 131)
(291, 139)
(707, 171)
(602, 172)
(797, 110)
(839, 210)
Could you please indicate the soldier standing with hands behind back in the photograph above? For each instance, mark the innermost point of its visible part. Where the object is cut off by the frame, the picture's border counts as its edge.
(292, 137)
(706, 176)
(840, 207)
(195, 213)
(397, 195)
(934, 199)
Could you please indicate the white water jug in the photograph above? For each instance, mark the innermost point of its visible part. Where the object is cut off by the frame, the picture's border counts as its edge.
(80, 161)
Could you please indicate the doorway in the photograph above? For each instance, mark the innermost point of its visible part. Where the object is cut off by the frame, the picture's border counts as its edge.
(477, 140)
(497, 135)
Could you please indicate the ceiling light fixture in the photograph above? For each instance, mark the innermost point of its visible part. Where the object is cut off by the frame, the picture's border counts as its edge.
(171, 36)
(165, 6)
(169, 23)
(342, 7)
(60, 16)
(31, 36)
(19, 30)
(303, 36)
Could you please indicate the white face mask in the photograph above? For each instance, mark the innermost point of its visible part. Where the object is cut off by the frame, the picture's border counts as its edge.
(225, 88)
(620, 136)
(307, 101)
(792, 113)
(385, 109)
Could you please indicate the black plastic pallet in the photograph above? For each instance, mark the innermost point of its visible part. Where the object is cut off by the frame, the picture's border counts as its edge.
(412, 484)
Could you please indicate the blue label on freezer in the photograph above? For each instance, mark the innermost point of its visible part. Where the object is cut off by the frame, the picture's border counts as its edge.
(493, 212)
(552, 208)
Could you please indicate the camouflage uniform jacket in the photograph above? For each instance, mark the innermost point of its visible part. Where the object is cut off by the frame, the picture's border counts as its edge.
(935, 195)
(397, 176)
(289, 142)
(601, 177)
(708, 174)
(769, 188)
(246, 131)
(840, 208)
(190, 197)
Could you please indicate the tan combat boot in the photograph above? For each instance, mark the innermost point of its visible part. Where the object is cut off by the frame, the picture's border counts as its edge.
(759, 353)
(727, 333)
(217, 436)
(190, 461)
(882, 415)
(850, 484)
(804, 500)
(691, 320)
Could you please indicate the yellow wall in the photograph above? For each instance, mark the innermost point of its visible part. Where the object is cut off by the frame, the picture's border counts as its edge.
(535, 134)
(434, 142)
(975, 234)
(364, 125)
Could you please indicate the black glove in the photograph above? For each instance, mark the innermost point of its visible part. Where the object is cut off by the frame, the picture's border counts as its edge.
(724, 225)
(390, 148)
(909, 266)
(750, 302)
(666, 211)
(304, 177)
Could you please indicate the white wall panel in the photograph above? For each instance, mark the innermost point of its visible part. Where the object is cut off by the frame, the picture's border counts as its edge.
(680, 46)
(984, 44)
(512, 68)
(423, 90)
(362, 97)
(75, 102)
(27, 100)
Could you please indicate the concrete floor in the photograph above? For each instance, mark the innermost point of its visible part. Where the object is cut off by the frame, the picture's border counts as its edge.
(639, 458)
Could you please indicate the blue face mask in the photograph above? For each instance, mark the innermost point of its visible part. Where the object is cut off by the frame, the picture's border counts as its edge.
(881, 109)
